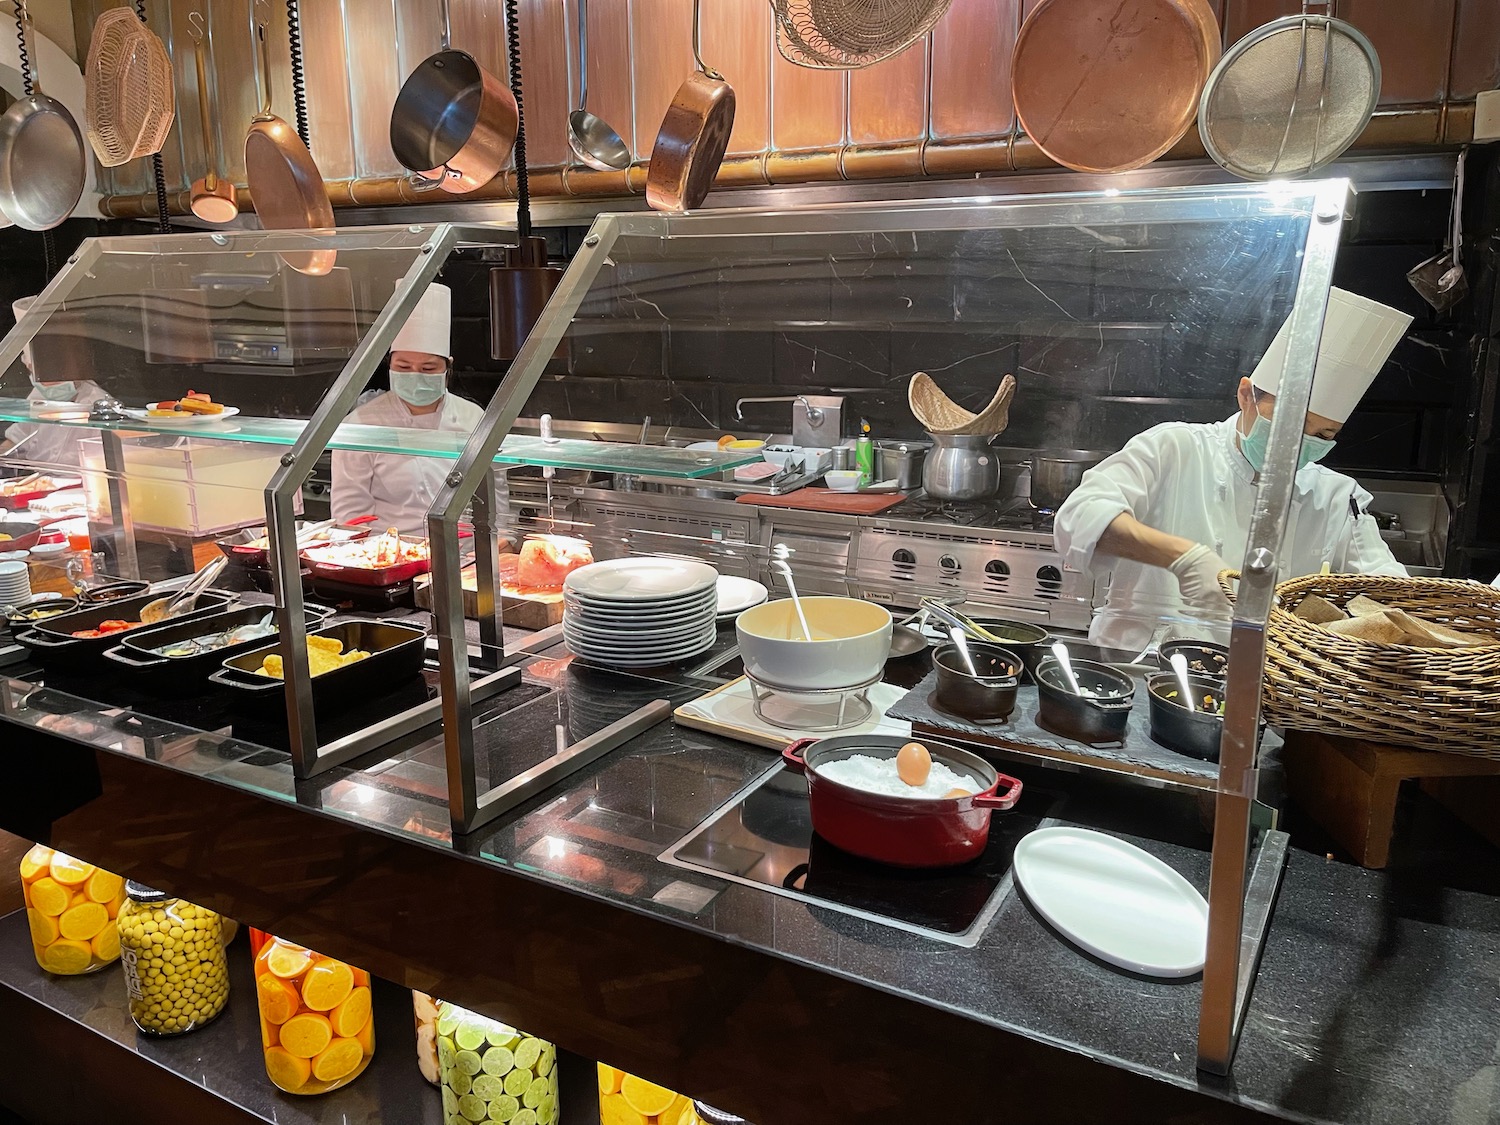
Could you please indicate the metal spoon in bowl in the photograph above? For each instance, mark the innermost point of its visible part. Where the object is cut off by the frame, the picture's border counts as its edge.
(1179, 665)
(591, 138)
(784, 569)
(1064, 662)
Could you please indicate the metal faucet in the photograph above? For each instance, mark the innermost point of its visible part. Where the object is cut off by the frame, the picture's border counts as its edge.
(817, 420)
(814, 413)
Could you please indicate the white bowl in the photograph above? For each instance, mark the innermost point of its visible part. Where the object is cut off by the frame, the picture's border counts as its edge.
(842, 480)
(779, 455)
(851, 640)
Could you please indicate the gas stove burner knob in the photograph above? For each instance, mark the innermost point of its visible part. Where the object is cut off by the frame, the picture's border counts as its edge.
(1049, 581)
(949, 565)
(997, 572)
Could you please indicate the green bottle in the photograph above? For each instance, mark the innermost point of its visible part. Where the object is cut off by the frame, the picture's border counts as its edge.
(864, 455)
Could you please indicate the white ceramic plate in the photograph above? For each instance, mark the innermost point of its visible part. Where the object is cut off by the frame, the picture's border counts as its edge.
(650, 638)
(660, 648)
(616, 660)
(699, 613)
(638, 607)
(735, 595)
(188, 420)
(641, 579)
(1120, 903)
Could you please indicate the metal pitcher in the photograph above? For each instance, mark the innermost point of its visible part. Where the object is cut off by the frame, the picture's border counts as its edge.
(961, 467)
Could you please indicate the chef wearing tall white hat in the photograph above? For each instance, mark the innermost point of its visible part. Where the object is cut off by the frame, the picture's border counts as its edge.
(400, 490)
(1162, 515)
(36, 443)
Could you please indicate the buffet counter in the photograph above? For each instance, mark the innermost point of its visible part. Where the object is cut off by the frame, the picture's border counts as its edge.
(563, 917)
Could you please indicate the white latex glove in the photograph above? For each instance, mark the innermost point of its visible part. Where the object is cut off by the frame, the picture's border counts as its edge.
(1197, 573)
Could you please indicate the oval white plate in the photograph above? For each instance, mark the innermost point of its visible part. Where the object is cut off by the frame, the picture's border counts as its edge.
(641, 578)
(1120, 903)
(738, 594)
(189, 420)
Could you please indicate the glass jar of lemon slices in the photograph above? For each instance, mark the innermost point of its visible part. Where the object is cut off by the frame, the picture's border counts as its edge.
(317, 1027)
(492, 1072)
(625, 1099)
(72, 907)
(173, 956)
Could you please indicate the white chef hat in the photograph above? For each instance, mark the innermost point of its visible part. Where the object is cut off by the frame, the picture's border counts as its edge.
(429, 327)
(1358, 337)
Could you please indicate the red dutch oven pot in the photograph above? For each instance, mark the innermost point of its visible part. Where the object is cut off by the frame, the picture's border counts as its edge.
(901, 831)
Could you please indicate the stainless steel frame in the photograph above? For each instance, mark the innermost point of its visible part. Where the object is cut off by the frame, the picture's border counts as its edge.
(1231, 962)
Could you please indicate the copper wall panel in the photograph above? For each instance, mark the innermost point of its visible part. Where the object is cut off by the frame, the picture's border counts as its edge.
(369, 31)
(478, 27)
(662, 35)
(1414, 42)
(328, 96)
(610, 80)
(1476, 49)
(808, 107)
(548, 91)
(419, 33)
(888, 101)
(971, 50)
(1244, 16)
(737, 43)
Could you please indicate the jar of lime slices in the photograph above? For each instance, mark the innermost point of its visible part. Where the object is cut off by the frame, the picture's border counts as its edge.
(317, 1026)
(493, 1072)
(72, 907)
(173, 955)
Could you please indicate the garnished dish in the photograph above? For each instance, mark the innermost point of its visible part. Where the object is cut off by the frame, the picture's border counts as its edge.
(546, 561)
(208, 642)
(911, 773)
(375, 553)
(1207, 705)
(106, 628)
(194, 402)
(324, 654)
(25, 486)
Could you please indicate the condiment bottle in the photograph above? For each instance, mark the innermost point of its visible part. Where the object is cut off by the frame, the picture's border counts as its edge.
(491, 1071)
(317, 1026)
(864, 454)
(71, 907)
(173, 955)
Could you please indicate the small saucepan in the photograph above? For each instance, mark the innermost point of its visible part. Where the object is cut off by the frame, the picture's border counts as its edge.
(1098, 717)
(901, 831)
(1195, 733)
(988, 696)
(1030, 642)
(1204, 658)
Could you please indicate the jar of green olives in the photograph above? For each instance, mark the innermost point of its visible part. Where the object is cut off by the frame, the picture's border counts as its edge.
(173, 955)
(492, 1072)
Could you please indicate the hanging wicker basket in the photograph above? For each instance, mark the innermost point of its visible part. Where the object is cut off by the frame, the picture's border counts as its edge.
(1429, 698)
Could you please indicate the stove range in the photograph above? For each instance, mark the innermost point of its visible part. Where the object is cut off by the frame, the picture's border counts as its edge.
(763, 838)
(1014, 514)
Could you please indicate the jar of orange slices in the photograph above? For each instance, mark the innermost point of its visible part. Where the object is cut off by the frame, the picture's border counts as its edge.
(625, 1099)
(317, 1027)
(72, 907)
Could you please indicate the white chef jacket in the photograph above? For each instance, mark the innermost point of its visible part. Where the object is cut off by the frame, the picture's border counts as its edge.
(399, 490)
(45, 444)
(1190, 479)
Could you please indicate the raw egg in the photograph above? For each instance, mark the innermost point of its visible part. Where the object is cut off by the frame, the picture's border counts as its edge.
(957, 793)
(913, 763)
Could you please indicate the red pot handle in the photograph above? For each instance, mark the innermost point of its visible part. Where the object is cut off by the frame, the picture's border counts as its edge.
(791, 757)
(370, 518)
(1005, 799)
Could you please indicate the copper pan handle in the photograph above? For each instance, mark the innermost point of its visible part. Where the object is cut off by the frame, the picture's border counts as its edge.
(698, 43)
(263, 56)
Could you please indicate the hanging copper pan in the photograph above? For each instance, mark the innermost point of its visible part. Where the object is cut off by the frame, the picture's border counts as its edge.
(1110, 85)
(693, 137)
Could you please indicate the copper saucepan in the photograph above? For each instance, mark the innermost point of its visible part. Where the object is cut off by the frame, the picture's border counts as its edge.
(212, 196)
(454, 123)
(1110, 85)
(286, 187)
(693, 137)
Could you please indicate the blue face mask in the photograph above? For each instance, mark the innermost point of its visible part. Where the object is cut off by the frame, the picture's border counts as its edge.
(419, 388)
(1253, 446)
(57, 392)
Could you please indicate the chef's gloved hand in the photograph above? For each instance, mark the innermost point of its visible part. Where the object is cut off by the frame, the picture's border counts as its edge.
(1197, 573)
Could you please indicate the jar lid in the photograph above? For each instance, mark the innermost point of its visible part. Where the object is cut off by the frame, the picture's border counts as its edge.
(712, 1116)
(139, 892)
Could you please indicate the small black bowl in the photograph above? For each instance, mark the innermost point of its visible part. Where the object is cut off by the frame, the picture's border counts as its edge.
(113, 591)
(1099, 719)
(1030, 642)
(1204, 658)
(1194, 733)
(17, 618)
(992, 695)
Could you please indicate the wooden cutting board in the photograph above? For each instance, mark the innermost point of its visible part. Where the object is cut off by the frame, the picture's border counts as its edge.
(528, 611)
(827, 500)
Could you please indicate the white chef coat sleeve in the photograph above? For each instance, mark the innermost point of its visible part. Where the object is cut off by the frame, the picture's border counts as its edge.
(353, 484)
(1122, 482)
(1364, 551)
(18, 433)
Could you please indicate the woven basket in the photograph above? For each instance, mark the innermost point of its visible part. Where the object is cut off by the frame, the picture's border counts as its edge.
(1429, 698)
(939, 414)
(129, 99)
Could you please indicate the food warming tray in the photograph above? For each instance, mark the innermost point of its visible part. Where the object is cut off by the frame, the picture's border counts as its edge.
(184, 675)
(51, 641)
(240, 548)
(19, 501)
(322, 566)
(397, 653)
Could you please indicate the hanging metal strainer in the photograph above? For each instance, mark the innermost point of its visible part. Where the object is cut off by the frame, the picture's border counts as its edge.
(1290, 97)
(851, 34)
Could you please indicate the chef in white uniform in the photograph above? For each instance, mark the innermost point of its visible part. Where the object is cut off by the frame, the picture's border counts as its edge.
(400, 490)
(37, 443)
(1162, 515)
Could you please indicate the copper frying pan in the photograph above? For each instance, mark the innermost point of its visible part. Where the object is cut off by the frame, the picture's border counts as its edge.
(1110, 85)
(285, 185)
(693, 137)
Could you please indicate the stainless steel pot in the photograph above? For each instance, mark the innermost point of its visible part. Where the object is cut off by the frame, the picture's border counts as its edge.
(900, 461)
(961, 467)
(1055, 473)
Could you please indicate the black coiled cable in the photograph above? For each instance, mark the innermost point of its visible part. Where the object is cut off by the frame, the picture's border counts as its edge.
(25, 55)
(158, 173)
(523, 188)
(299, 81)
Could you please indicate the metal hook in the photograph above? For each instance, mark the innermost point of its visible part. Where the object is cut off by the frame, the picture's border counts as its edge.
(196, 27)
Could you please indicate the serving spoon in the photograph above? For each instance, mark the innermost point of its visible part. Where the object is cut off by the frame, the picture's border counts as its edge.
(1065, 662)
(1180, 666)
(783, 568)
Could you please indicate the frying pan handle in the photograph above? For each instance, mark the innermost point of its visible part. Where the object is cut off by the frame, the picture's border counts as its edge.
(1005, 798)
(798, 872)
(370, 518)
(35, 638)
(698, 42)
(792, 758)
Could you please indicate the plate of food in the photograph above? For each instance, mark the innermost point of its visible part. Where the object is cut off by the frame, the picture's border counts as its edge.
(193, 408)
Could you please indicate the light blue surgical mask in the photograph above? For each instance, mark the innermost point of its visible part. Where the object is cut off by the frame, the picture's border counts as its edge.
(57, 392)
(419, 388)
(1253, 446)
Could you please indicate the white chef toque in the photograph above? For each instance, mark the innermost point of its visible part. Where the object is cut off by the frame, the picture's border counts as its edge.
(430, 325)
(1358, 337)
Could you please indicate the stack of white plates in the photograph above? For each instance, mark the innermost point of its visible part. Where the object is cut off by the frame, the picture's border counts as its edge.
(640, 612)
(15, 582)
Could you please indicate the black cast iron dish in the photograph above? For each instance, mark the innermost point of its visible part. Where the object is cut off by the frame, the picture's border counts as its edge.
(992, 695)
(52, 642)
(1091, 720)
(1194, 733)
(396, 655)
(1204, 658)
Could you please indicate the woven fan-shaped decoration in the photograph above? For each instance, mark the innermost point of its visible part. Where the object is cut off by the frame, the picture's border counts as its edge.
(850, 34)
(129, 100)
(939, 414)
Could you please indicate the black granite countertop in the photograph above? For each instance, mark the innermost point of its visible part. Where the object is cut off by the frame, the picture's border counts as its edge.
(1376, 1001)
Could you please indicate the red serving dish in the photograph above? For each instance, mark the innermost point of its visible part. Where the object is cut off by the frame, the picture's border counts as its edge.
(242, 546)
(336, 562)
(19, 501)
